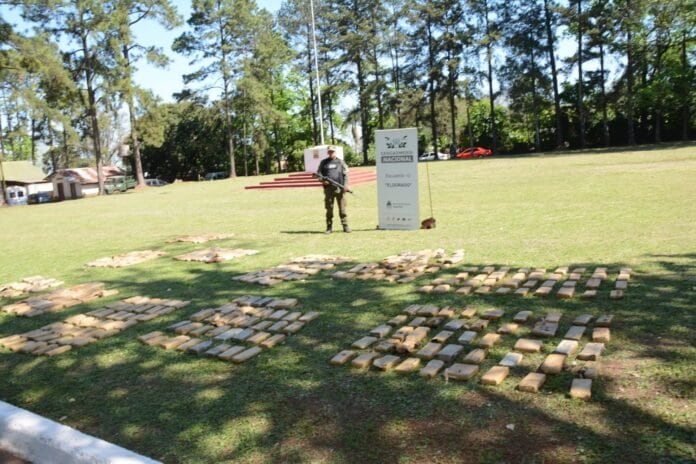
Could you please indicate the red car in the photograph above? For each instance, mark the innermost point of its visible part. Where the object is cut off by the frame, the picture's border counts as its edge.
(474, 152)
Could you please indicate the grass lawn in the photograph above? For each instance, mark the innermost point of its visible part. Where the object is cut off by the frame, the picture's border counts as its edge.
(614, 209)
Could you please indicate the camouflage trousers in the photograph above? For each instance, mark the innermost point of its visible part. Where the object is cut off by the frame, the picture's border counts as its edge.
(330, 194)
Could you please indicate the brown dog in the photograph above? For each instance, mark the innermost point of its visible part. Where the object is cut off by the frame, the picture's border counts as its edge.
(428, 223)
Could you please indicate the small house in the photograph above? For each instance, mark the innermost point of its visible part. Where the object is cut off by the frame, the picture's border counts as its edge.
(26, 177)
(79, 182)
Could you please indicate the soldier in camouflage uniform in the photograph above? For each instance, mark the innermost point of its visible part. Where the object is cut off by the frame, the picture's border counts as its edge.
(337, 170)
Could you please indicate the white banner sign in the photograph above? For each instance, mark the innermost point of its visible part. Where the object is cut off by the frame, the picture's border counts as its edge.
(397, 178)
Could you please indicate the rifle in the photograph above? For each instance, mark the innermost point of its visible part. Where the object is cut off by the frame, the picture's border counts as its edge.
(332, 182)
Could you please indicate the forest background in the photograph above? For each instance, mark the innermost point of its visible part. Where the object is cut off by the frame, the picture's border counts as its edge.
(464, 72)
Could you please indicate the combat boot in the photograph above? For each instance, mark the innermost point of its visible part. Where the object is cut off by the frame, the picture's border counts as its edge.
(329, 229)
(346, 228)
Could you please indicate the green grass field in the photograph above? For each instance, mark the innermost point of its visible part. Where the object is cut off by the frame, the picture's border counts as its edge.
(614, 209)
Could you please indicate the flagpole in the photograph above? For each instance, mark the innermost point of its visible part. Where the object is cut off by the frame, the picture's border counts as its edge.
(316, 69)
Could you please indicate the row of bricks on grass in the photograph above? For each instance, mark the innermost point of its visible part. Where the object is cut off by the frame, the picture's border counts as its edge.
(58, 299)
(447, 353)
(403, 268)
(127, 259)
(224, 351)
(83, 329)
(249, 319)
(525, 280)
(557, 361)
(546, 327)
(433, 316)
(245, 314)
(488, 276)
(406, 339)
(297, 269)
(33, 284)
(467, 369)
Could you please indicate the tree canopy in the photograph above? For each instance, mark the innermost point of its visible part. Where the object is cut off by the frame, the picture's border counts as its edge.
(517, 76)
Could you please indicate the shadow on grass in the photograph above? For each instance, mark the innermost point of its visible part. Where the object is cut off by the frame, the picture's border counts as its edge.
(289, 405)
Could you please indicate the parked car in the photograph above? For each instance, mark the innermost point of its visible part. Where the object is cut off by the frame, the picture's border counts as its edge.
(431, 156)
(474, 152)
(216, 175)
(40, 197)
(115, 184)
(155, 182)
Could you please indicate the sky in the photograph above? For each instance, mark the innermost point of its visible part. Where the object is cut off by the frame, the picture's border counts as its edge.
(164, 82)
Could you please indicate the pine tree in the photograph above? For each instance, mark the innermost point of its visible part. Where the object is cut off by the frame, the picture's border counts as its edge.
(83, 25)
(217, 43)
(126, 52)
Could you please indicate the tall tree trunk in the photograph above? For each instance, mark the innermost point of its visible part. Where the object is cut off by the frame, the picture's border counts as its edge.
(3, 200)
(660, 49)
(66, 149)
(33, 140)
(228, 131)
(226, 83)
(329, 104)
(362, 101)
(581, 106)
(276, 147)
(453, 120)
(535, 105)
(312, 97)
(329, 107)
(431, 84)
(378, 88)
(92, 110)
(489, 59)
(605, 116)
(51, 151)
(451, 78)
(135, 143)
(396, 72)
(244, 134)
(470, 128)
(554, 74)
(631, 134)
(685, 87)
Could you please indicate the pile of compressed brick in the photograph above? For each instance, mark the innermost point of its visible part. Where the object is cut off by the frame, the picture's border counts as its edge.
(525, 281)
(297, 269)
(32, 284)
(59, 299)
(454, 343)
(236, 331)
(83, 329)
(403, 268)
(127, 259)
(215, 255)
